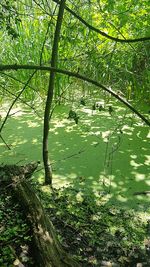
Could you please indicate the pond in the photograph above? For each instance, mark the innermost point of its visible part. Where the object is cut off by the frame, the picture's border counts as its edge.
(107, 154)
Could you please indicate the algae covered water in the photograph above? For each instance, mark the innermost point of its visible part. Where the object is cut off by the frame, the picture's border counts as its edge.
(108, 154)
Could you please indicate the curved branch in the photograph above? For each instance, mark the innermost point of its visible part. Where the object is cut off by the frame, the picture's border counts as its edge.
(142, 39)
(23, 101)
(5, 142)
(15, 100)
(23, 83)
(81, 77)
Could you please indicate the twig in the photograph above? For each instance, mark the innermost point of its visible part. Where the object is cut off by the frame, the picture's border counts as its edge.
(15, 100)
(23, 101)
(5, 142)
(17, 80)
(81, 77)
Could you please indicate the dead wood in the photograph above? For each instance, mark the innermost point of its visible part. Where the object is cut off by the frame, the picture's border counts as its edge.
(48, 250)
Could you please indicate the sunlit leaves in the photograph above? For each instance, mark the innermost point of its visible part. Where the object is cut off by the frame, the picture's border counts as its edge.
(80, 49)
(9, 17)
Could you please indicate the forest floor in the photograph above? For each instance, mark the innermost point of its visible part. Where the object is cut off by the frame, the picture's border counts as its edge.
(96, 233)
(15, 233)
(99, 234)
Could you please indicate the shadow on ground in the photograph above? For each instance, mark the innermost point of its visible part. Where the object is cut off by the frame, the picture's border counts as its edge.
(105, 154)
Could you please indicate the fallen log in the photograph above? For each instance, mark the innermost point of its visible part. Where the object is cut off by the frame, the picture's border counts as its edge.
(48, 250)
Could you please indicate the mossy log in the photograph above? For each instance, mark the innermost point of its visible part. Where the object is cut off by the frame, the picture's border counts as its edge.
(48, 250)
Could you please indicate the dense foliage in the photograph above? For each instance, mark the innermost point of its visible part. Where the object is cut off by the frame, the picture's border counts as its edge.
(109, 42)
(123, 66)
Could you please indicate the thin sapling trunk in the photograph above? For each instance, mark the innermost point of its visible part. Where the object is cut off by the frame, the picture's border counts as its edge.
(47, 164)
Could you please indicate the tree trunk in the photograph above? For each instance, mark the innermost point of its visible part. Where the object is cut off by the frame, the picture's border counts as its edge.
(48, 250)
(47, 165)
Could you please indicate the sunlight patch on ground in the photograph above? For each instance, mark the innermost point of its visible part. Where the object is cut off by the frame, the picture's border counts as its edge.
(148, 182)
(91, 155)
(105, 135)
(133, 156)
(139, 176)
(148, 135)
(121, 199)
(32, 124)
(16, 111)
(19, 142)
(127, 129)
(135, 164)
(147, 161)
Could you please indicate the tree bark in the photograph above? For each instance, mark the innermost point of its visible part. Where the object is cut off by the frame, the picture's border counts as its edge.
(47, 248)
(47, 164)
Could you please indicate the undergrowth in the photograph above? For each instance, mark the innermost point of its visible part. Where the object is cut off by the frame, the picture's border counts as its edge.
(98, 233)
(15, 237)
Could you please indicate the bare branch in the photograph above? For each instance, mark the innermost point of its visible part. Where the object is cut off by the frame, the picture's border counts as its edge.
(5, 142)
(81, 77)
(15, 100)
(23, 101)
(16, 79)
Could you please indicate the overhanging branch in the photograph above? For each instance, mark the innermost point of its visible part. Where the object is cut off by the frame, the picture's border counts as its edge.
(81, 77)
(142, 39)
